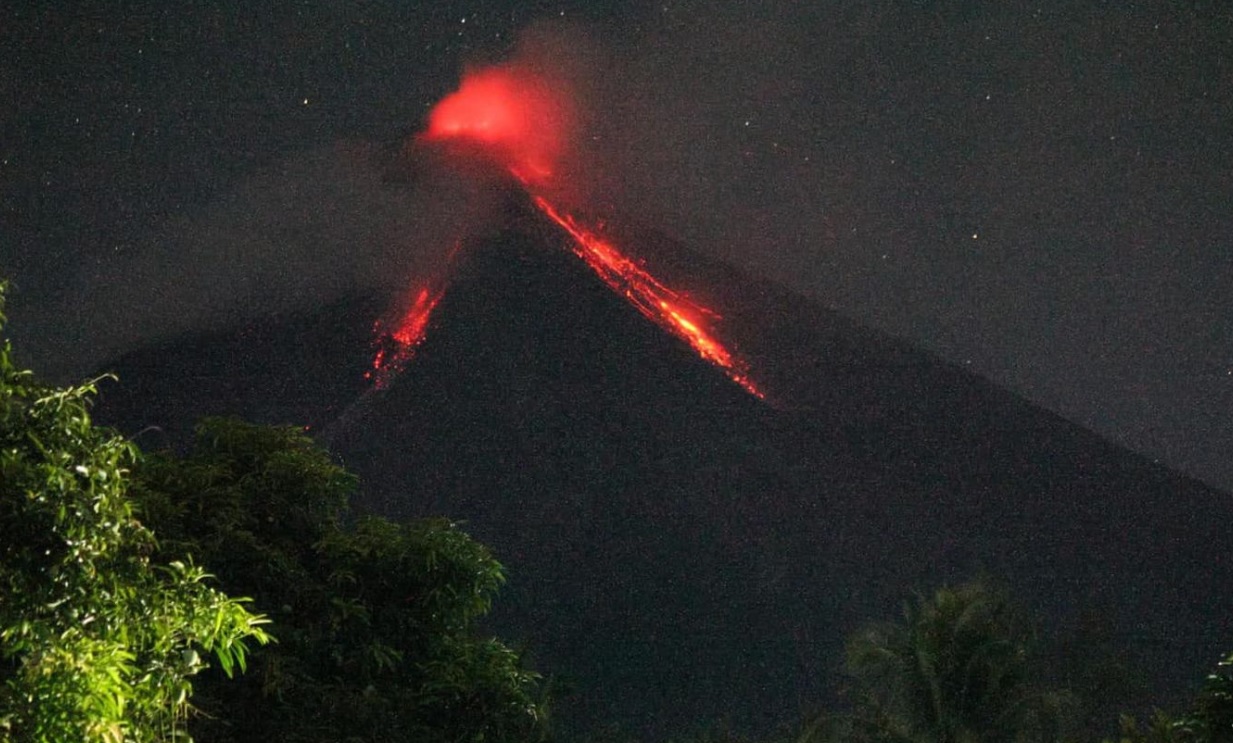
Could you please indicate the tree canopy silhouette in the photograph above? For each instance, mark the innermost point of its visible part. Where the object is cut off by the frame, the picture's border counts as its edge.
(376, 620)
(957, 669)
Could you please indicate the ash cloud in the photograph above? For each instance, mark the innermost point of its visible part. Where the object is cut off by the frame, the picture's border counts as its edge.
(710, 123)
(1028, 191)
(311, 227)
(293, 236)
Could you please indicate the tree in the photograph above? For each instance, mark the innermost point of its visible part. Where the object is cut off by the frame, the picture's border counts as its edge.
(99, 637)
(1209, 719)
(375, 620)
(956, 670)
(1161, 728)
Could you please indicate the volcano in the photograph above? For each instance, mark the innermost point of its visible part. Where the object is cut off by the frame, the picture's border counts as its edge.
(681, 551)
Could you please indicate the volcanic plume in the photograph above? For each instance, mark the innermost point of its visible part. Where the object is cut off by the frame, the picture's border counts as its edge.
(512, 114)
(515, 119)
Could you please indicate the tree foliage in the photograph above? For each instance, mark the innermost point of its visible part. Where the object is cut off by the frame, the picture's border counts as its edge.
(956, 669)
(99, 639)
(1209, 719)
(375, 619)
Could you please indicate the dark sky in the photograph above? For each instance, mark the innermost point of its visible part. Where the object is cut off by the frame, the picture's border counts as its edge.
(1042, 192)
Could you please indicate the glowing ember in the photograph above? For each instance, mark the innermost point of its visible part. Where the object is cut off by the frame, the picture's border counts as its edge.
(397, 346)
(666, 307)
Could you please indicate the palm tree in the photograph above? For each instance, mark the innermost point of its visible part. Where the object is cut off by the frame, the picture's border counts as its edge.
(956, 670)
(1211, 716)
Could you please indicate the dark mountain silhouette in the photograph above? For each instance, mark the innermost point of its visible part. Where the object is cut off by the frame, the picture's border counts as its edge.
(680, 551)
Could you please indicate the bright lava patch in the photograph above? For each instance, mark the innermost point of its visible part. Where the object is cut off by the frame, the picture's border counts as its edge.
(396, 346)
(666, 307)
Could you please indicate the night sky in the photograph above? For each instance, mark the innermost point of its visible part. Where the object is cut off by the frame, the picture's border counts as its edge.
(1041, 192)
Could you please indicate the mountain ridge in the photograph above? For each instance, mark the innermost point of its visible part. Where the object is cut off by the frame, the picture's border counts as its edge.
(679, 549)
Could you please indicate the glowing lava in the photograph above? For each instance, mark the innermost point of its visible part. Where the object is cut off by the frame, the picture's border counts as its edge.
(396, 346)
(664, 306)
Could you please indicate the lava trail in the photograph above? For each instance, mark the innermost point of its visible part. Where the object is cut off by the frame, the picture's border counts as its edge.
(396, 338)
(666, 307)
(396, 345)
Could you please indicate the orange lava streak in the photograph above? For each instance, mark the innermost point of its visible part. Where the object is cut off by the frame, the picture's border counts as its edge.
(664, 306)
(397, 346)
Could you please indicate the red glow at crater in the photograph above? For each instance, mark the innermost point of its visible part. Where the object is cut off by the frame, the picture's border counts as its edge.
(513, 114)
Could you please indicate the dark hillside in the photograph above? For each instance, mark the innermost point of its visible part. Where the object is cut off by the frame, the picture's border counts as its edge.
(680, 551)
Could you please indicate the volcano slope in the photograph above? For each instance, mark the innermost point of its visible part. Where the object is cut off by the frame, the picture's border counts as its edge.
(680, 551)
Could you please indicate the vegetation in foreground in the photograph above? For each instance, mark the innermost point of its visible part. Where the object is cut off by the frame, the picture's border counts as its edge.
(100, 637)
(964, 666)
(109, 635)
(375, 620)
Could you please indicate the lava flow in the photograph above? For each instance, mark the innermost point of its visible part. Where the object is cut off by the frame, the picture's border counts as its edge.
(396, 346)
(664, 306)
(514, 117)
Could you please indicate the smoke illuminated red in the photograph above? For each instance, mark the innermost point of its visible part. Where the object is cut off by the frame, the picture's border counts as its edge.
(512, 113)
